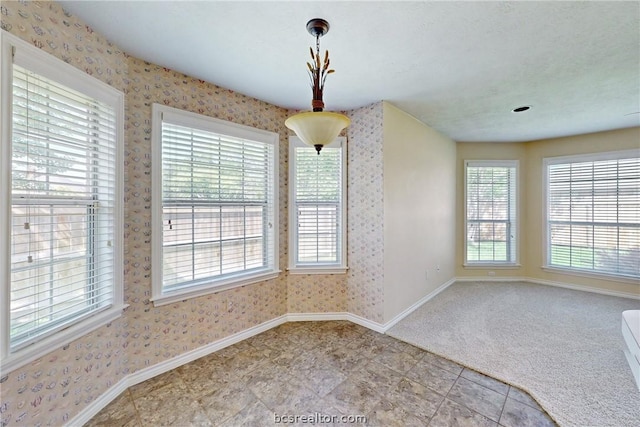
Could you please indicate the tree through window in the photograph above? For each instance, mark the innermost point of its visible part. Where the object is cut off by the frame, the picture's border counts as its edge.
(490, 222)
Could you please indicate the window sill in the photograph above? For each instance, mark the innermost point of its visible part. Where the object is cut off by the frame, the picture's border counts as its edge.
(318, 270)
(492, 266)
(206, 289)
(28, 354)
(592, 275)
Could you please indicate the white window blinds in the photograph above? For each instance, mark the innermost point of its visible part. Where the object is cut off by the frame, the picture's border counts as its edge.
(218, 204)
(593, 213)
(491, 226)
(317, 215)
(63, 179)
(318, 197)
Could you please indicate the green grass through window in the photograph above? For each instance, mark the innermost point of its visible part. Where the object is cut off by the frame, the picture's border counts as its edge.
(487, 251)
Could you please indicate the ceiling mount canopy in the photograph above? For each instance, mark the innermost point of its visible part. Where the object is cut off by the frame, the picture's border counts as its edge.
(318, 128)
(317, 27)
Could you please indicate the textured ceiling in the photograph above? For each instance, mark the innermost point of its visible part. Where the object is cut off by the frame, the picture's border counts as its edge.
(460, 67)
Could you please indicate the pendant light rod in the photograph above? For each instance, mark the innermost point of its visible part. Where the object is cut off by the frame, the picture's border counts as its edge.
(318, 128)
(317, 27)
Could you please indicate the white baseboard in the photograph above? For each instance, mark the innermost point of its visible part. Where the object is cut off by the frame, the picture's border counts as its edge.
(354, 318)
(144, 374)
(100, 403)
(583, 288)
(314, 317)
(416, 305)
(359, 320)
(550, 283)
(370, 324)
(190, 356)
(160, 368)
(137, 377)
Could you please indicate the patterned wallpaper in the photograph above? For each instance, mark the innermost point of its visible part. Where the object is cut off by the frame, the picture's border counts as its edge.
(163, 332)
(361, 290)
(51, 390)
(365, 211)
(55, 388)
(317, 293)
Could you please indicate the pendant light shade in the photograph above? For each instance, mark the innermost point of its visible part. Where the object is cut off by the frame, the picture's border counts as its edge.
(318, 128)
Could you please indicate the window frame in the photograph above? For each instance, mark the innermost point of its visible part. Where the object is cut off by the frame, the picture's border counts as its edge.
(317, 268)
(515, 262)
(207, 285)
(546, 241)
(44, 64)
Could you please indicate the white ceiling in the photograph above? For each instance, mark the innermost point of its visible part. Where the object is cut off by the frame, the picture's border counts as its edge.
(460, 67)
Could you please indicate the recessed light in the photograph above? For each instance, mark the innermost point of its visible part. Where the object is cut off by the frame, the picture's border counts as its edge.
(521, 109)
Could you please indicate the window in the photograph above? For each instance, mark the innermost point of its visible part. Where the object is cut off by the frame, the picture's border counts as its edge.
(593, 213)
(317, 208)
(491, 212)
(215, 204)
(62, 150)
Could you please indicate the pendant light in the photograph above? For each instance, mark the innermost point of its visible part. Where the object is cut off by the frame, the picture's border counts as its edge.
(318, 128)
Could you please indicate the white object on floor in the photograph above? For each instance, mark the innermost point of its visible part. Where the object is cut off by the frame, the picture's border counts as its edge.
(631, 334)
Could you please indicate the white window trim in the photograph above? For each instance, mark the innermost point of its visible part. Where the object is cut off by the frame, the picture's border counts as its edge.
(492, 264)
(199, 121)
(546, 162)
(51, 67)
(318, 268)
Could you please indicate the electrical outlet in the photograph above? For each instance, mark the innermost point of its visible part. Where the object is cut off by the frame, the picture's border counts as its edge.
(230, 306)
(438, 267)
(426, 275)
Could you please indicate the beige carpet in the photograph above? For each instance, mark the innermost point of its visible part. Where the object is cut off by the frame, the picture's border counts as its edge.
(564, 347)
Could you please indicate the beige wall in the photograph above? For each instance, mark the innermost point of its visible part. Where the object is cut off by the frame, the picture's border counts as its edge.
(531, 204)
(623, 139)
(419, 210)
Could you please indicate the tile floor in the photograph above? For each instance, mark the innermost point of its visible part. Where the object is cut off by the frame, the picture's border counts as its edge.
(324, 371)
